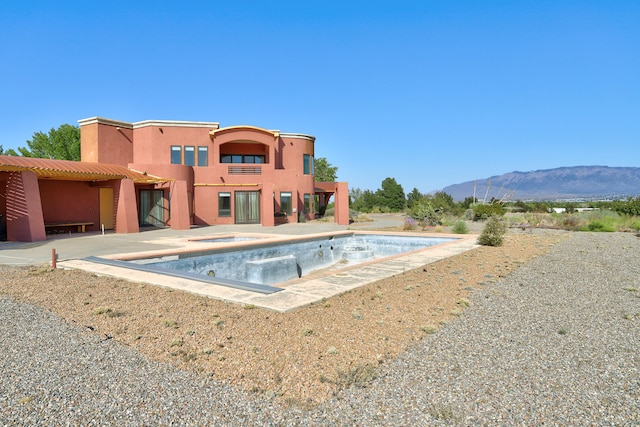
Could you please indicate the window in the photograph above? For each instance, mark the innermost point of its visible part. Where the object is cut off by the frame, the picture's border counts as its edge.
(203, 156)
(224, 204)
(307, 203)
(189, 155)
(308, 164)
(176, 155)
(239, 158)
(285, 202)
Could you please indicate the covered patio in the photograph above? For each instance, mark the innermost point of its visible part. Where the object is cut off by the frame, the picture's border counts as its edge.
(40, 195)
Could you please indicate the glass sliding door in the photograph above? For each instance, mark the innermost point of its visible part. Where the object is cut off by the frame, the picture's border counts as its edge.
(247, 207)
(152, 208)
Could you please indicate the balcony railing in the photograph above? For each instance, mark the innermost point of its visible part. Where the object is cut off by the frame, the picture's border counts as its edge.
(245, 170)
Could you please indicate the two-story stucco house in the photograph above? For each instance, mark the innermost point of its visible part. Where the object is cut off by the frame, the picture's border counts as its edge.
(167, 173)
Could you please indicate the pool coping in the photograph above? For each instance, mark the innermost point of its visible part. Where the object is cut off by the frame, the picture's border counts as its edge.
(295, 293)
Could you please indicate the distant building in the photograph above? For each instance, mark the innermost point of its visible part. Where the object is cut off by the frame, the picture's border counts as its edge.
(166, 173)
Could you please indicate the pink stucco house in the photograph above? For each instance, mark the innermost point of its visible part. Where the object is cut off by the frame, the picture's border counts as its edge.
(167, 173)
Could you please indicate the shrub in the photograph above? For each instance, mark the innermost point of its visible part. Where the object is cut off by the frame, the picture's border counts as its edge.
(359, 376)
(460, 227)
(409, 223)
(571, 222)
(598, 225)
(493, 232)
(628, 207)
(486, 210)
(426, 214)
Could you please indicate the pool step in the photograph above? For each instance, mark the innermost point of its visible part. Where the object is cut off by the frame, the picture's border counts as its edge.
(356, 249)
(273, 270)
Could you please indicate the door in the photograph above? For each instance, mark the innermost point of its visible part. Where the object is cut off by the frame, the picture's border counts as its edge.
(152, 209)
(247, 207)
(106, 208)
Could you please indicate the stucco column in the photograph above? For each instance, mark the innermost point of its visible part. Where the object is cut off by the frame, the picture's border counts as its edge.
(25, 222)
(295, 206)
(341, 203)
(127, 208)
(267, 205)
(180, 218)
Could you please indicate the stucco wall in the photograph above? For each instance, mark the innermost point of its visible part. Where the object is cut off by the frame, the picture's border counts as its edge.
(153, 143)
(66, 201)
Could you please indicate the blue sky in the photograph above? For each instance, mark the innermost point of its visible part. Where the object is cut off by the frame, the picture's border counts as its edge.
(430, 93)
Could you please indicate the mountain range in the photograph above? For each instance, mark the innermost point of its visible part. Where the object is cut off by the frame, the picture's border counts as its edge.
(564, 183)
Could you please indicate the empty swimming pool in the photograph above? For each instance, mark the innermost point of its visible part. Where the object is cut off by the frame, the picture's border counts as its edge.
(370, 257)
(266, 263)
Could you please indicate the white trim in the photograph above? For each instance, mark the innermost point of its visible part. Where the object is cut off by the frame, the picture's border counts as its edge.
(103, 121)
(176, 123)
(298, 135)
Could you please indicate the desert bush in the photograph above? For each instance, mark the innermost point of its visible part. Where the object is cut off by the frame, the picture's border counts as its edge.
(484, 211)
(460, 227)
(493, 232)
(571, 222)
(409, 224)
(606, 221)
(468, 214)
(359, 376)
(599, 225)
(425, 213)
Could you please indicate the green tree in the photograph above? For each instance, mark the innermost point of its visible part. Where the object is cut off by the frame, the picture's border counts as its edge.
(62, 144)
(323, 170)
(443, 201)
(391, 195)
(362, 201)
(413, 197)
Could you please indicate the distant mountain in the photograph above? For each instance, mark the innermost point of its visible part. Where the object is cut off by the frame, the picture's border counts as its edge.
(565, 183)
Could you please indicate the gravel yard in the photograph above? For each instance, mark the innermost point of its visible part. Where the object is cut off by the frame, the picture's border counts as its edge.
(544, 330)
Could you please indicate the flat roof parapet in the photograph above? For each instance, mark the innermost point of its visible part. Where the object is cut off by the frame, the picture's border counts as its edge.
(144, 123)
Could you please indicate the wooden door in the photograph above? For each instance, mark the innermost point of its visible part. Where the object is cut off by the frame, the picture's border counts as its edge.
(106, 208)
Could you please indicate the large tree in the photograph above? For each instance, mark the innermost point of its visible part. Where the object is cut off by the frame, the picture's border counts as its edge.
(62, 144)
(323, 170)
(391, 195)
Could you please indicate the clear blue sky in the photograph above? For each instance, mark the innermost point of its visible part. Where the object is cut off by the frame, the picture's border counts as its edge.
(430, 93)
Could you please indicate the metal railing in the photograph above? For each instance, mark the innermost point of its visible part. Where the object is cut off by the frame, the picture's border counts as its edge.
(245, 170)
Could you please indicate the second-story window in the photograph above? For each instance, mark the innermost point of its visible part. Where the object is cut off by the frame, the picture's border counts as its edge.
(203, 156)
(308, 164)
(189, 155)
(176, 155)
(242, 158)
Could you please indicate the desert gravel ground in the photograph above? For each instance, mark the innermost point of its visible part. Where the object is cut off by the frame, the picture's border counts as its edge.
(544, 330)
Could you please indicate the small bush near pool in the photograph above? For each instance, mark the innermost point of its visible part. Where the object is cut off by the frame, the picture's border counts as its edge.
(460, 227)
(493, 232)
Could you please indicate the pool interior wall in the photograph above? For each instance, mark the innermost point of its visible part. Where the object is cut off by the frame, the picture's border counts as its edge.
(274, 262)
